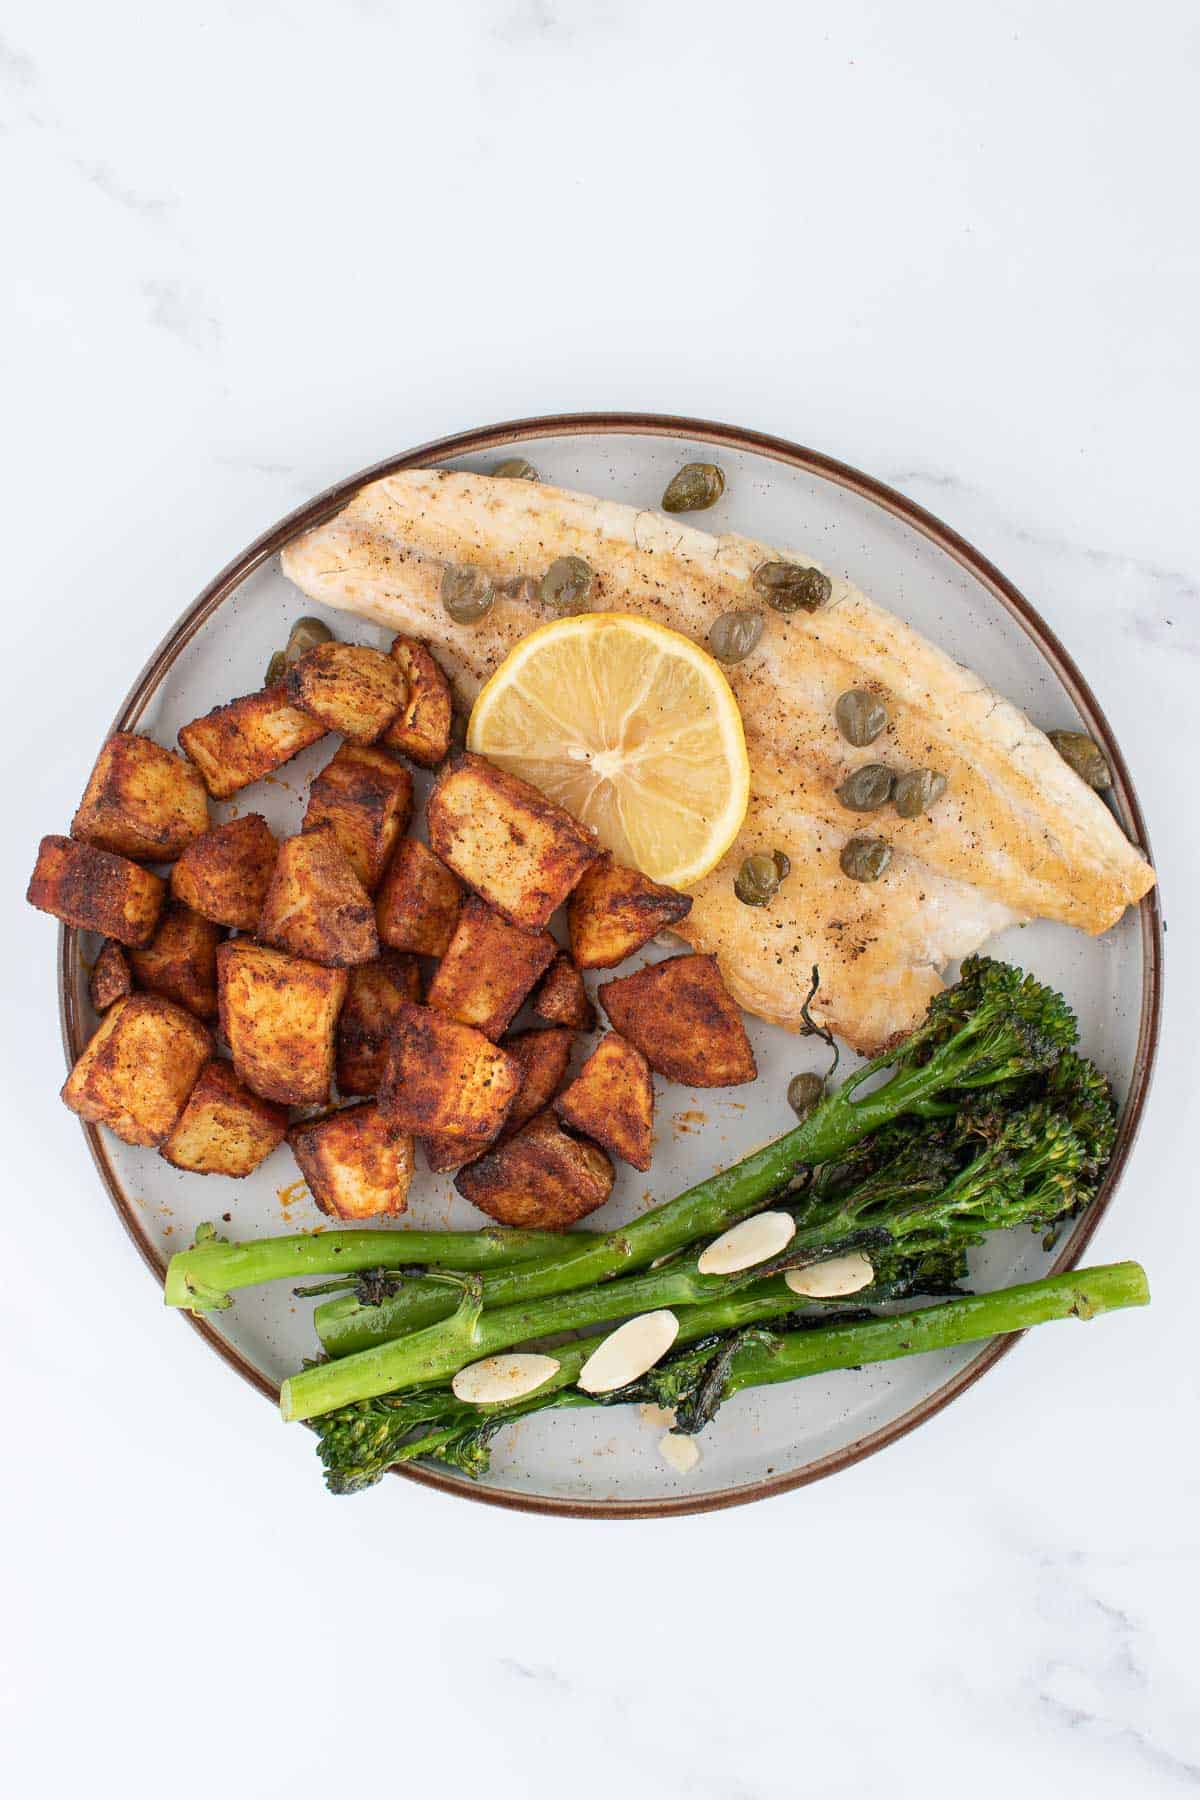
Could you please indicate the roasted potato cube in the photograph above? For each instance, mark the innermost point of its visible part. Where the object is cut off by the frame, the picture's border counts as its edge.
(180, 961)
(417, 906)
(445, 1078)
(349, 688)
(95, 890)
(540, 1178)
(224, 1129)
(615, 910)
(368, 1013)
(541, 1058)
(421, 729)
(239, 743)
(316, 906)
(562, 998)
(365, 797)
(519, 851)
(612, 1100)
(141, 801)
(682, 1018)
(355, 1165)
(225, 875)
(141, 1065)
(278, 1016)
(488, 969)
(110, 979)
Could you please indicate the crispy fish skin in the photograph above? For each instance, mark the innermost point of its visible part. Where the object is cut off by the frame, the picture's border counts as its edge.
(1017, 835)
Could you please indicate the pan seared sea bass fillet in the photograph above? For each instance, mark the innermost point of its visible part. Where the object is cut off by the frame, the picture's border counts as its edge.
(1016, 836)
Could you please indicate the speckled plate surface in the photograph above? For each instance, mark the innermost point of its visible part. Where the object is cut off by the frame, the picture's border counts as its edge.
(607, 1462)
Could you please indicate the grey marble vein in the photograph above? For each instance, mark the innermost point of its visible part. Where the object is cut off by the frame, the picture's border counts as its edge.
(155, 208)
(1166, 616)
(180, 309)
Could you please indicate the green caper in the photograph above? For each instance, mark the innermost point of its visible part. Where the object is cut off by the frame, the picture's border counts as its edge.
(861, 716)
(467, 593)
(515, 468)
(782, 863)
(306, 634)
(867, 789)
(865, 858)
(733, 636)
(1084, 756)
(519, 587)
(804, 1093)
(566, 585)
(916, 791)
(789, 587)
(697, 486)
(757, 880)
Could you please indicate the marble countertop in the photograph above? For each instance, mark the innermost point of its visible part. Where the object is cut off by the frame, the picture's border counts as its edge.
(251, 247)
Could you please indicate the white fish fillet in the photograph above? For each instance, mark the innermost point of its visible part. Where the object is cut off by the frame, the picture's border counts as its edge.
(1016, 836)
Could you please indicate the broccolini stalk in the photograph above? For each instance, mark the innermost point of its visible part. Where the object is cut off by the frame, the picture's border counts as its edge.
(1022, 1171)
(996, 1026)
(360, 1443)
(204, 1277)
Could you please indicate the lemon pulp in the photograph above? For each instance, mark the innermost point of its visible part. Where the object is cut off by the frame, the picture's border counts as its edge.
(631, 727)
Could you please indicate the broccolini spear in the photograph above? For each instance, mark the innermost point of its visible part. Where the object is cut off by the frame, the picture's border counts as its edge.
(204, 1278)
(358, 1444)
(946, 1185)
(996, 1027)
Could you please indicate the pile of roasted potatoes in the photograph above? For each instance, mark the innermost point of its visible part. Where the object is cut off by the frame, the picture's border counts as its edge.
(244, 982)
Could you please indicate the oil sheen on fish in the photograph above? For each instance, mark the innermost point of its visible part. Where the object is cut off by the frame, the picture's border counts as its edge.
(1016, 836)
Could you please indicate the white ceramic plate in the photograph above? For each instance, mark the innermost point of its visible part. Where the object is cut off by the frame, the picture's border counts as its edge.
(607, 1461)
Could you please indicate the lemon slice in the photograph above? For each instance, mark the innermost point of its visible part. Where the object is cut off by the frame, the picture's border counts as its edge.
(633, 729)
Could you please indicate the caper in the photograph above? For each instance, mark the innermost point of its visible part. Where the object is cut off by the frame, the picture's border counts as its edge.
(566, 585)
(916, 791)
(733, 636)
(865, 858)
(515, 468)
(757, 880)
(867, 789)
(1084, 756)
(789, 587)
(782, 863)
(697, 486)
(467, 592)
(861, 716)
(520, 587)
(804, 1093)
(306, 634)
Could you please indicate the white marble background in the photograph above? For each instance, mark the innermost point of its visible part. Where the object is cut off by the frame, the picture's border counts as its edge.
(250, 246)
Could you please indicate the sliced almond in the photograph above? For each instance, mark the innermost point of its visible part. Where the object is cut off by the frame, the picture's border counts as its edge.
(683, 1453)
(753, 1241)
(628, 1352)
(509, 1376)
(658, 1417)
(826, 1280)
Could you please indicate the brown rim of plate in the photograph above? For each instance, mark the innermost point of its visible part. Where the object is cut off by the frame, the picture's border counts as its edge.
(515, 431)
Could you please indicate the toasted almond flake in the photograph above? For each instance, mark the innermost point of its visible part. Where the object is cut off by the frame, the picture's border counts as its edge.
(826, 1280)
(628, 1352)
(683, 1453)
(753, 1241)
(657, 1417)
(509, 1376)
